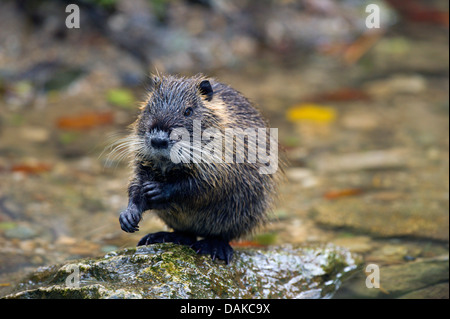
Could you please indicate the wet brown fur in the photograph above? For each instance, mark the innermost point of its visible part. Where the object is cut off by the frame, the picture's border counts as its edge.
(226, 200)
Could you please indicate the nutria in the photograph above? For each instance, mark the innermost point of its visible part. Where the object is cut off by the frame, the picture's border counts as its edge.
(215, 199)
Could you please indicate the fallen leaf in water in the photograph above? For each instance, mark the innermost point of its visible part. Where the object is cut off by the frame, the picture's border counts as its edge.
(311, 112)
(266, 239)
(31, 168)
(291, 141)
(360, 46)
(246, 243)
(342, 193)
(121, 97)
(7, 225)
(261, 240)
(67, 138)
(85, 121)
(418, 12)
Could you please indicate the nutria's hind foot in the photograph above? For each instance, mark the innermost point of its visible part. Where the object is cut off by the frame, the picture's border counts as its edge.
(216, 247)
(168, 237)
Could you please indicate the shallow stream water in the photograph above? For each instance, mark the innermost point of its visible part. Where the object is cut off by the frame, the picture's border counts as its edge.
(367, 146)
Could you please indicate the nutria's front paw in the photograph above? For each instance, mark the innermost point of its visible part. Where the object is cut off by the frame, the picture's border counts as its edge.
(129, 220)
(157, 194)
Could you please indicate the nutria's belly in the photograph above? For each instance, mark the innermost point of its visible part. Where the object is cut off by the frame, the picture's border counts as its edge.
(192, 221)
(205, 222)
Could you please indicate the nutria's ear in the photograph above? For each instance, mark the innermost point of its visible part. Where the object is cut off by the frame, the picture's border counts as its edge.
(154, 82)
(206, 89)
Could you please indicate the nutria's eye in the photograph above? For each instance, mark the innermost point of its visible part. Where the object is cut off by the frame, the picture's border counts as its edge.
(188, 111)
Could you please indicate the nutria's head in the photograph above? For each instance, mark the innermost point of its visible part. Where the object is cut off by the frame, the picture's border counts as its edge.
(173, 103)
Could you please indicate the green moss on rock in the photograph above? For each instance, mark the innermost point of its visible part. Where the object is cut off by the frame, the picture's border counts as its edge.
(173, 271)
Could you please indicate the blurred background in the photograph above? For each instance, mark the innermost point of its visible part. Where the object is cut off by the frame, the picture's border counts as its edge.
(363, 115)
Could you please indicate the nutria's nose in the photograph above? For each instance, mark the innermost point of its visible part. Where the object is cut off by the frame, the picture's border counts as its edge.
(158, 142)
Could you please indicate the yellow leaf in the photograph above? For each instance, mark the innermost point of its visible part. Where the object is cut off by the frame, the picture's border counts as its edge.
(311, 112)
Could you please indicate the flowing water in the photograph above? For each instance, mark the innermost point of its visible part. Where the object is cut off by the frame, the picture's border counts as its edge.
(367, 145)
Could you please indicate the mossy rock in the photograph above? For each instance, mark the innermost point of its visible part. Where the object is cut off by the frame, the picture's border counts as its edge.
(173, 271)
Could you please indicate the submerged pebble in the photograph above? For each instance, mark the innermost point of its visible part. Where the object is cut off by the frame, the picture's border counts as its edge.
(21, 232)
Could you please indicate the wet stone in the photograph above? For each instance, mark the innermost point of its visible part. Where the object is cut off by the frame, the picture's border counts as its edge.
(172, 271)
(425, 278)
(21, 232)
(438, 291)
(411, 217)
(378, 159)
